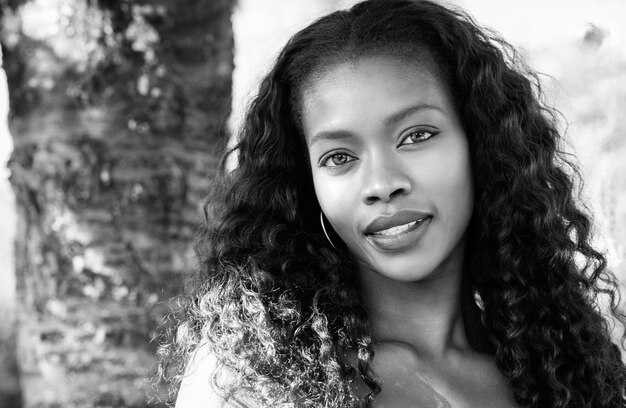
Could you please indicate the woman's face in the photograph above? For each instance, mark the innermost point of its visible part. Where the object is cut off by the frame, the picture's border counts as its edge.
(391, 166)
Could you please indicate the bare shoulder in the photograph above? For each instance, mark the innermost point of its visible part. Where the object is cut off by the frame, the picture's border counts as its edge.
(197, 389)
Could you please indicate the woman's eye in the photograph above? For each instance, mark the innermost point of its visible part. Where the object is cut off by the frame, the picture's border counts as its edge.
(417, 136)
(336, 160)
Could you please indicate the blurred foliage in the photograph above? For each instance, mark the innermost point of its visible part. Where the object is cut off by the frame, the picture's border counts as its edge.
(116, 110)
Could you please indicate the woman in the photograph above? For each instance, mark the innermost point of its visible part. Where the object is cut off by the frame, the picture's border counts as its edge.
(400, 231)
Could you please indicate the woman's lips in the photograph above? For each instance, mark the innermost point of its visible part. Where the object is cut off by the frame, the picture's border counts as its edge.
(398, 229)
(401, 236)
(399, 218)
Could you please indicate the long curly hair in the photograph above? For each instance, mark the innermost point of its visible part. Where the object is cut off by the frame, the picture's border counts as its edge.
(277, 304)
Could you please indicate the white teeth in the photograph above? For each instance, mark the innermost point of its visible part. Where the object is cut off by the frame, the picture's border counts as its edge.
(398, 229)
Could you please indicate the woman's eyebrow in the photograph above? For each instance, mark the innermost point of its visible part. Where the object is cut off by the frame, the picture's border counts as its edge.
(409, 110)
(330, 135)
(390, 120)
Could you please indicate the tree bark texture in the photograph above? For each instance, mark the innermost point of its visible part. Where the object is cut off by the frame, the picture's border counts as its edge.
(117, 107)
(10, 387)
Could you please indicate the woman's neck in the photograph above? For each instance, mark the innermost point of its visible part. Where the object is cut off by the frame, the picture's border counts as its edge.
(424, 315)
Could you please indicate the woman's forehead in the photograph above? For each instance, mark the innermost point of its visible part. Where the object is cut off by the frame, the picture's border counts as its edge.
(408, 63)
(372, 92)
(416, 59)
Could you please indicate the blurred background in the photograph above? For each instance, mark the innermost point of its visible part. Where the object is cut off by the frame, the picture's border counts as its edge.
(110, 113)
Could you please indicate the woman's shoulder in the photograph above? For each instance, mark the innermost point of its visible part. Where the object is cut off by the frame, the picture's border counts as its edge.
(197, 389)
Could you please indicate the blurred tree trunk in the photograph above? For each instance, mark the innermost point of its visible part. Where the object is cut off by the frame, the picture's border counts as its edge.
(116, 108)
(10, 389)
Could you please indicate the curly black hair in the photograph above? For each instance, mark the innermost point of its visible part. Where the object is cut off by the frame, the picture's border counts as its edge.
(278, 305)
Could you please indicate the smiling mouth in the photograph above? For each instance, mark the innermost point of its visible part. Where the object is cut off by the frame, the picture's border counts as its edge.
(399, 237)
(398, 229)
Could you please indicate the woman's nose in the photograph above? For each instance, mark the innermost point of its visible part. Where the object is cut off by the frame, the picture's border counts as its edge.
(383, 180)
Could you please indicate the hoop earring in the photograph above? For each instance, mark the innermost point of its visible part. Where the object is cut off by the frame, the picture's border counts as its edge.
(324, 229)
